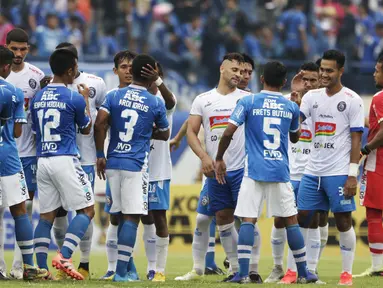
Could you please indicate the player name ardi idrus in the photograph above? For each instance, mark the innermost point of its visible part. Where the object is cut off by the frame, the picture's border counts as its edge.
(270, 107)
(134, 100)
(53, 101)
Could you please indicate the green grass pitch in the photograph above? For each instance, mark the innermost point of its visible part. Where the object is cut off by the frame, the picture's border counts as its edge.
(178, 264)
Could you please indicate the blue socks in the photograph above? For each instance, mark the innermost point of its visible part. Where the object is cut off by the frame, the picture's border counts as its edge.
(245, 245)
(42, 241)
(126, 241)
(298, 248)
(210, 255)
(24, 237)
(76, 231)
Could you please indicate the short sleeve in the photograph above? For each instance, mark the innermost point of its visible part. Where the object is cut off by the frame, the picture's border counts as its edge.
(106, 105)
(356, 114)
(294, 127)
(197, 107)
(5, 104)
(239, 115)
(101, 94)
(377, 106)
(81, 117)
(306, 106)
(160, 117)
(19, 115)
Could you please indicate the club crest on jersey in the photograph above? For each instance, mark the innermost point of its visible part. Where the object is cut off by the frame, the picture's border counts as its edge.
(341, 106)
(32, 83)
(92, 92)
(306, 136)
(218, 122)
(325, 129)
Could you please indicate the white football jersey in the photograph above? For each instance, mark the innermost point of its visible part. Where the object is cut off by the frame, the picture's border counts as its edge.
(215, 110)
(333, 119)
(160, 163)
(97, 93)
(27, 80)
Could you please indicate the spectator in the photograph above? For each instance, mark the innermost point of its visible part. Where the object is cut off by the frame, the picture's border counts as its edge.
(271, 46)
(5, 26)
(49, 36)
(318, 41)
(39, 10)
(74, 34)
(292, 26)
(108, 43)
(252, 43)
(365, 23)
(346, 38)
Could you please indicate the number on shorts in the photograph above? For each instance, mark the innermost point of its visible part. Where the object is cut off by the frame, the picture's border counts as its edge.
(49, 125)
(267, 122)
(132, 117)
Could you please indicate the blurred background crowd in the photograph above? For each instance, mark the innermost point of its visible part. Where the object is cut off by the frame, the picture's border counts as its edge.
(191, 36)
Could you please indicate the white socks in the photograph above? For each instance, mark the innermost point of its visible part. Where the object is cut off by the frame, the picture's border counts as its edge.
(229, 241)
(256, 250)
(86, 244)
(323, 239)
(347, 241)
(3, 267)
(111, 247)
(278, 240)
(312, 248)
(201, 242)
(162, 245)
(149, 237)
(60, 226)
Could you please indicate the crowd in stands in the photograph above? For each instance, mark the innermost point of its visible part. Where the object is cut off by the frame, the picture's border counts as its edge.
(190, 36)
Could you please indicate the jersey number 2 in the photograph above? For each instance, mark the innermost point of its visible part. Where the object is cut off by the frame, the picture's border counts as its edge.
(132, 117)
(267, 122)
(49, 125)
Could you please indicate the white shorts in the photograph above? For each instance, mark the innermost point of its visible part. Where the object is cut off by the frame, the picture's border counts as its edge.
(280, 199)
(62, 182)
(129, 191)
(13, 190)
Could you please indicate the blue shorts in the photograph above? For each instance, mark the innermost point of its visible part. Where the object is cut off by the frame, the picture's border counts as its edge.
(324, 193)
(224, 196)
(108, 200)
(295, 185)
(30, 170)
(203, 202)
(89, 170)
(159, 195)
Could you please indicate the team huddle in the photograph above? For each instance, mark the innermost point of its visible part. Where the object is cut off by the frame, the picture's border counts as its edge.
(298, 153)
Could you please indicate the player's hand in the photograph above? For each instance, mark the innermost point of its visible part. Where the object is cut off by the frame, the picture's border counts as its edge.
(208, 167)
(297, 83)
(296, 97)
(365, 150)
(350, 187)
(150, 73)
(83, 89)
(220, 171)
(174, 144)
(101, 164)
(45, 81)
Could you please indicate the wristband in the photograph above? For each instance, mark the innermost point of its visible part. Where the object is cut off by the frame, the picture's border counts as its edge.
(353, 170)
(365, 150)
(100, 154)
(158, 82)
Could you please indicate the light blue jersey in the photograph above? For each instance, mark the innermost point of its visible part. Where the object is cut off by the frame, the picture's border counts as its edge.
(133, 111)
(55, 112)
(9, 157)
(268, 118)
(5, 103)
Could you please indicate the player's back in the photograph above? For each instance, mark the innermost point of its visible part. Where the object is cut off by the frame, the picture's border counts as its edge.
(7, 91)
(269, 119)
(55, 111)
(133, 110)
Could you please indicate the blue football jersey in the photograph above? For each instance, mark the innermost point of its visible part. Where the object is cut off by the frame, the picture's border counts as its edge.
(5, 103)
(268, 118)
(9, 157)
(56, 110)
(132, 111)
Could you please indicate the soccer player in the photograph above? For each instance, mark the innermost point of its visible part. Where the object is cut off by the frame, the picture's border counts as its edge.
(87, 150)
(269, 119)
(212, 110)
(156, 237)
(131, 112)
(329, 180)
(122, 68)
(373, 200)
(13, 188)
(56, 110)
(29, 79)
(306, 80)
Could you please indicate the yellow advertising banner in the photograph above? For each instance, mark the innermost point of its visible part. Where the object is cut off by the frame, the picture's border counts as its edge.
(182, 216)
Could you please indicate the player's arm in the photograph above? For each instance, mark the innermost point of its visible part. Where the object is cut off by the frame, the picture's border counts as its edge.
(175, 142)
(152, 73)
(162, 130)
(5, 105)
(295, 131)
(305, 107)
(82, 115)
(19, 115)
(303, 35)
(366, 122)
(377, 141)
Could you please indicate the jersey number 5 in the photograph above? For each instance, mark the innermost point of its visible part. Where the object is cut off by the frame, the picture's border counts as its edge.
(46, 127)
(267, 122)
(132, 117)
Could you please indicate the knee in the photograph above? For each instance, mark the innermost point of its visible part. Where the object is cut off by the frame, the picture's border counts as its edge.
(323, 218)
(61, 212)
(18, 209)
(304, 218)
(343, 221)
(89, 211)
(147, 219)
(315, 221)
(114, 219)
(203, 222)
(224, 217)
(279, 223)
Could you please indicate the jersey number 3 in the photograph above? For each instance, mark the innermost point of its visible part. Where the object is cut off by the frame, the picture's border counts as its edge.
(270, 131)
(132, 117)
